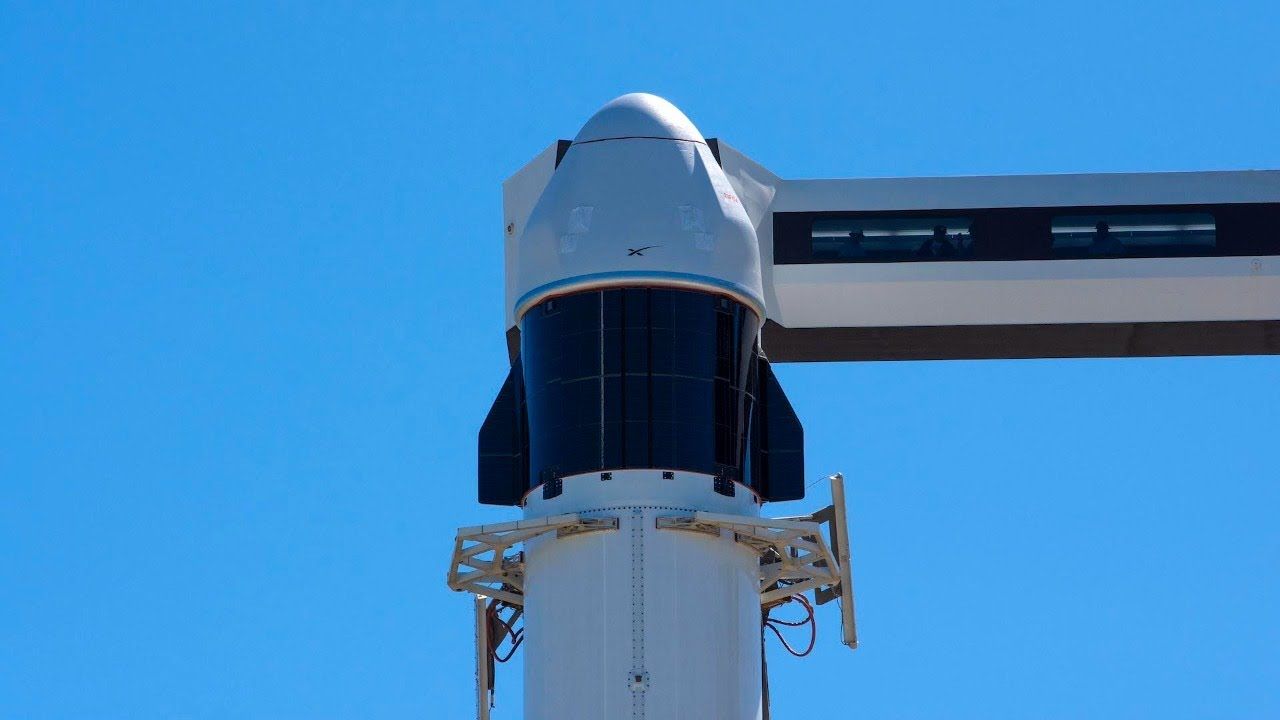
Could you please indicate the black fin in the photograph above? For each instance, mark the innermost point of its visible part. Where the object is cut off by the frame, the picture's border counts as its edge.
(777, 467)
(503, 465)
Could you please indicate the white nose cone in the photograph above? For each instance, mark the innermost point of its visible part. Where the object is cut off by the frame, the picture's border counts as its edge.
(638, 201)
(638, 115)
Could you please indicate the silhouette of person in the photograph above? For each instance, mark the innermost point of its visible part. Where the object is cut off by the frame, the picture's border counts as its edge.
(938, 245)
(853, 248)
(933, 245)
(926, 248)
(1104, 243)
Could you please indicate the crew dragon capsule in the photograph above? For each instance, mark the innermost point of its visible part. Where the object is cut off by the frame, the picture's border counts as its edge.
(638, 390)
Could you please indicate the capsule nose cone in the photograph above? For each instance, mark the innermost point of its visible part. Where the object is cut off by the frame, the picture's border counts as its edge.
(638, 115)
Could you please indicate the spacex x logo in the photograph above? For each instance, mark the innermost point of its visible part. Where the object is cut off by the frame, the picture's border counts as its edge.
(634, 252)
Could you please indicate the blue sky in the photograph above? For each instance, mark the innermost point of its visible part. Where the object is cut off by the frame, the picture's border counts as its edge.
(251, 319)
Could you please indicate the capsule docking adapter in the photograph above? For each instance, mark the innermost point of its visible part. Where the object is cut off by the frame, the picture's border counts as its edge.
(640, 430)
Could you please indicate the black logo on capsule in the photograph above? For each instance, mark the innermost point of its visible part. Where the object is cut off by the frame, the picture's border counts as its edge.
(640, 251)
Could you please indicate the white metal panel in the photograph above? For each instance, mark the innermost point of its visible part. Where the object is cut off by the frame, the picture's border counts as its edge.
(1001, 191)
(680, 609)
(626, 207)
(1027, 292)
(703, 616)
(624, 488)
(520, 193)
(753, 182)
(757, 187)
(577, 616)
(483, 681)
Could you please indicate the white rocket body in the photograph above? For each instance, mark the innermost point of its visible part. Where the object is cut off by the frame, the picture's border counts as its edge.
(639, 393)
(641, 622)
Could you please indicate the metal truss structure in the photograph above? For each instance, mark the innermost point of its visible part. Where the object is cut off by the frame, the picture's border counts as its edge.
(794, 556)
(483, 565)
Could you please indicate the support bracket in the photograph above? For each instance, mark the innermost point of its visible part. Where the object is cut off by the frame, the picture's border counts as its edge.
(484, 563)
(795, 556)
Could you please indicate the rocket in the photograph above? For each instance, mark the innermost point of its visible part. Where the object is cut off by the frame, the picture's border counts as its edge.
(641, 428)
(639, 393)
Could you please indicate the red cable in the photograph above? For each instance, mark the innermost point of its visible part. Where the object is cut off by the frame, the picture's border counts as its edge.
(811, 621)
(517, 636)
(512, 652)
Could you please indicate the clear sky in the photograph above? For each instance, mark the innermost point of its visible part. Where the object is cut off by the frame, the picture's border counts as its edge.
(251, 320)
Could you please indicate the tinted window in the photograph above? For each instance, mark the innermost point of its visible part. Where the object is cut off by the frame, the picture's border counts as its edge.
(891, 238)
(1061, 233)
(1146, 235)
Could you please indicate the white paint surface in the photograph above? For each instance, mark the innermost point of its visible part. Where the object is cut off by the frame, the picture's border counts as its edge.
(661, 213)
(681, 609)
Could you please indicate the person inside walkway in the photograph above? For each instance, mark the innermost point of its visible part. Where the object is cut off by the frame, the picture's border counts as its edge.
(1104, 243)
(939, 245)
(852, 248)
